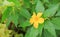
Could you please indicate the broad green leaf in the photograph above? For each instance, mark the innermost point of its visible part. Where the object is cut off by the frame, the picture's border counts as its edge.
(27, 3)
(54, 1)
(32, 32)
(24, 12)
(58, 32)
(49, 5)
(58, 13)
(15, 19)
(15, 16)
(46, 1)
(25, 23)
(33, 5)
(56, 22)
(9, 20)
(6, 13)
(12, 18)
(21, 19)
(33, 2)
(32, 8)
(16, 2)
(40, 29)
(46, 34)
(18, 35)
(39, 6)
(51, 11)
(50, 27)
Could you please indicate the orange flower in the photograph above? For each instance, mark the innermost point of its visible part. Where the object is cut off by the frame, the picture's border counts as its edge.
(36, 19)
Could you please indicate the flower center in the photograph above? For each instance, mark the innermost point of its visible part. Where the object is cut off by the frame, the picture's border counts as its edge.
(36, 18)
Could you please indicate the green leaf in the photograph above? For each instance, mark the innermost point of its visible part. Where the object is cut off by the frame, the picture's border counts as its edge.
(25, 23)
(9, 20)
(27, 3)
(18, 35)
(34, 2)
(56, 22)
(6, 13)
(40, 29)
(15, 19)
(12, 18)
(58, 32)
(32, 8)
(51, 11)
(50, 28)
(46, 1)
(46, 34)
(39, 6)
(58, 13)
(16, 2)
(32, 32)
(24, 12)
(54, 1)
(21, 19)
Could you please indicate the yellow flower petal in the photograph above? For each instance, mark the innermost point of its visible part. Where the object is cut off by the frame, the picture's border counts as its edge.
(39, 14)
(35, 25)
(34, 14)
(41, 20)
(31, 20)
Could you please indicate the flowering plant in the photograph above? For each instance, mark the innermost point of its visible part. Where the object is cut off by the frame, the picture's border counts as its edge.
(30, 18)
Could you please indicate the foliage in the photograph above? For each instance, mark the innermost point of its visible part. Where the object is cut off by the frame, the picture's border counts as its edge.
(15, 15)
